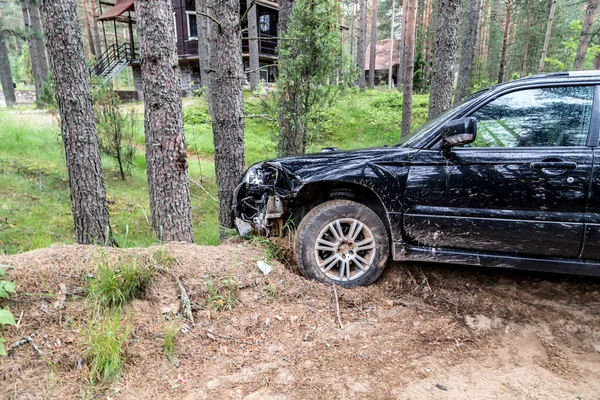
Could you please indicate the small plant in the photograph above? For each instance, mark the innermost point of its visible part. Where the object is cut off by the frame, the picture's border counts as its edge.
(269, 292)
(223, 297)
(169, 341)
(6, 317)
(161, 257)
(113, 287)
(106, 340)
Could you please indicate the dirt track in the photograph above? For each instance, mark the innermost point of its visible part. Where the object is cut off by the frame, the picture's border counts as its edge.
(422, 331)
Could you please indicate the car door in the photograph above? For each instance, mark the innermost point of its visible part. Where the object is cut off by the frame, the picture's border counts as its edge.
(520, 188)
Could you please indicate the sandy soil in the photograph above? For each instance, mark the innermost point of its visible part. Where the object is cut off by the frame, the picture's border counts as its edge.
(421, 332)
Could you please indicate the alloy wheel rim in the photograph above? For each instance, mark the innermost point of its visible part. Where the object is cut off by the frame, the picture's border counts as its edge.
(345, 249)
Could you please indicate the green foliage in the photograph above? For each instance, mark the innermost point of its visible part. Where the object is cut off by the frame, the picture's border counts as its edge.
(196, 113)
(106, 340)
(6, 317)
(309, 55)
(116, 128)
(170, 341)
(26, 72)
(114, 286)
(47, 95)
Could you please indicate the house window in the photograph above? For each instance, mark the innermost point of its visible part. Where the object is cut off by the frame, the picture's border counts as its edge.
(192, 25)
(267, 21)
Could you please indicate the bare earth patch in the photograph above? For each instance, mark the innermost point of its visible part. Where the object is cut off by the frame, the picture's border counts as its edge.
(422, 331)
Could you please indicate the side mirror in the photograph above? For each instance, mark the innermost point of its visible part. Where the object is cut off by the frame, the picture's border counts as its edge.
(459, 132)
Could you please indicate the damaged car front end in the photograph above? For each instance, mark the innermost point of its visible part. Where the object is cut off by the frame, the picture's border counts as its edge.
(259, 204)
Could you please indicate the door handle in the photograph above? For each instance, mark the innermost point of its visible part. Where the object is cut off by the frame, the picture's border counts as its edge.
(553, 165)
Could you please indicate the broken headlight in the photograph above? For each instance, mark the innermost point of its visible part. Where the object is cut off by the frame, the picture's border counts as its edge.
(262, 174)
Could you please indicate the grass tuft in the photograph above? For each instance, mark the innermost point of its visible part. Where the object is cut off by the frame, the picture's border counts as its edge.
(118, 285)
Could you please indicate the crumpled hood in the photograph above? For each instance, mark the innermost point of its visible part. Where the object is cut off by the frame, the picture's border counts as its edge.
(327, 165)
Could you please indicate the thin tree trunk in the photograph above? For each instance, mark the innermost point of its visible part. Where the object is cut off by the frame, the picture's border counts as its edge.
(253, 46)
(204, 26)
(373, 52)
(352, 27)
(409, 61)
(400, 77)
(547, 37)
(37, 48)
(96, 30)
(361, 46)
(391, 66)
(584, 39)
(8, 87)
(444, 54)
(505, 37)
(467, 51)
(166, 156)
(527, 40)
(427, 47)
(80, 137)
(227, 102)
(88, 28)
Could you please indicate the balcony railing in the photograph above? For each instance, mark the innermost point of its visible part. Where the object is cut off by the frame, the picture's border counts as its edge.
(267, 45)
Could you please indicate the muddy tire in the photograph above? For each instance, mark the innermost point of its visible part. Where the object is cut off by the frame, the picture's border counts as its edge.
(342, 242)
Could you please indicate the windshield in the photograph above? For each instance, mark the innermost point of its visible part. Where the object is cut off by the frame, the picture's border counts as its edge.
(414, 137)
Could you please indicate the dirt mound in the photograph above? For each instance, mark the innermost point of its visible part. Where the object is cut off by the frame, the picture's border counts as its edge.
(422, 331)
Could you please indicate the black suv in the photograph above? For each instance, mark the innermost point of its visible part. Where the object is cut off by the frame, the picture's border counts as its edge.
(508, 178)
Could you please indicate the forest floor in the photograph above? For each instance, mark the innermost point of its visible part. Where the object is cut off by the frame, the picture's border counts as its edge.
(421, 331)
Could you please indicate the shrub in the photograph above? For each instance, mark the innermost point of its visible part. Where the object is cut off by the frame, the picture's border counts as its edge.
(114, 287)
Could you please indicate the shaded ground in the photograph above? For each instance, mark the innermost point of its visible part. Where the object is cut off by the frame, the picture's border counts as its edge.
(422, 331)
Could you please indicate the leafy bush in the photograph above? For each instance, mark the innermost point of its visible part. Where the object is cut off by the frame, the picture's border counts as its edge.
(6, 317)
(196, 113)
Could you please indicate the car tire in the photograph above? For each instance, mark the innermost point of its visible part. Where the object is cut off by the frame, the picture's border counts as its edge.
(342, 242)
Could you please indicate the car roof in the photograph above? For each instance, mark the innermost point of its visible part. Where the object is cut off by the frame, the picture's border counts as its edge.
(552, 77)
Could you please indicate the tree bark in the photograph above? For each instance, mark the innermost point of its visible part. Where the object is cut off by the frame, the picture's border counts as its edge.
(80, 137)
(409, 61)
(373, 48)
(526, 41)
(95, 25)
(584, 39)
(361, 46)
(227, 102)
(391, 66)
(253, 47)
(400, 77)
(88, 28)
(467, 51)
(505, 37)
(444, 54)
(8, 87)
(37, 48)
(166, 156)
(204, 27)
(547, 37)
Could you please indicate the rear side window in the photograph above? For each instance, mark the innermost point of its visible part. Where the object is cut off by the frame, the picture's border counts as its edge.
(542, 117)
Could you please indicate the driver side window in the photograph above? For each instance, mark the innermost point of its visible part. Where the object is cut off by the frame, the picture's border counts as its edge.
(542, 117)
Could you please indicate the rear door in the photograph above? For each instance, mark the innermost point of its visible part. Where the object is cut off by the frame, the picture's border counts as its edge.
(521, 187)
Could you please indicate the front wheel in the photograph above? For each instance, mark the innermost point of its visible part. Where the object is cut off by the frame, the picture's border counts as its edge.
(342, 242)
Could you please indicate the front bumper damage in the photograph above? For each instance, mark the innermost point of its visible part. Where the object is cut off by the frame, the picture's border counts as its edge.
(259, 202)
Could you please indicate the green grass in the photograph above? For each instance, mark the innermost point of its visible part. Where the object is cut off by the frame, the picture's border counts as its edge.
(116, 285)
(34, 190)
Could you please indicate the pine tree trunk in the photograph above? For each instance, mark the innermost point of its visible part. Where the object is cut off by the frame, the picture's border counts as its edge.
(547, 37)
(291, 134)
(400, 74)
(467, 51)
(444, 54)
(204, 27)
(88, 27)
(526, 41)
(166, 156)
(227, 102)
(373, 47)
(409, 61)
(8, 87)
(361, 46)
(37, 48)
(253, 46)
(391, 65)
(95, 25)
(584, 39)
(80, 137)
(505, 37)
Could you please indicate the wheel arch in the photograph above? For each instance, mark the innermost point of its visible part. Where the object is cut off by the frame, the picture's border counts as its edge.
(315, 193)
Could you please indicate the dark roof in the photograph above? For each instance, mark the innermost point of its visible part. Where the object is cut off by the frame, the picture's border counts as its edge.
(117, 10)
